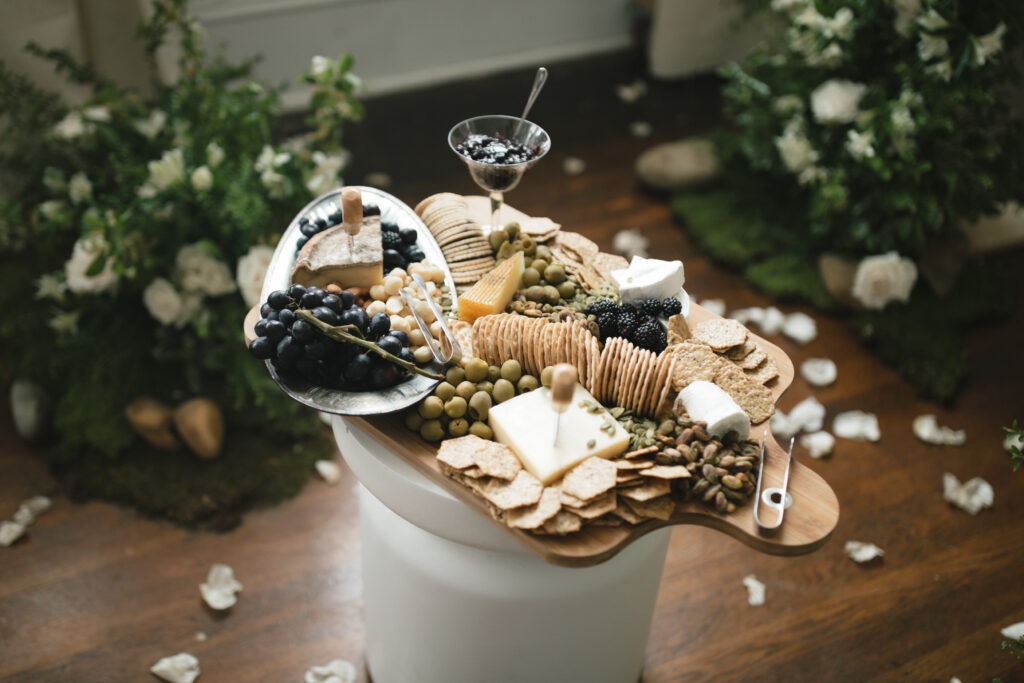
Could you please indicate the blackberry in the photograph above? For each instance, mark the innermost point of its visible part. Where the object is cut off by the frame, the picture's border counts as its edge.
(596, 308)
(371, 210)
(628, 321)
(389, 226)
(650, 336)
(390, 240)
(671, 306)
(608, 321)
(651, 307)
(408, 235)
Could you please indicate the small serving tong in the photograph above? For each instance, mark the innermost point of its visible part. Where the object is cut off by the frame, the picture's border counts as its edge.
(775, 497)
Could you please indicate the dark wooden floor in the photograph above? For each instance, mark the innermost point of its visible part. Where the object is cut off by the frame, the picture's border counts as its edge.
(97, 594)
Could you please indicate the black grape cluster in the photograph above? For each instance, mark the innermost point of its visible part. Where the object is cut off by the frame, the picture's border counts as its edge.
(298, 349)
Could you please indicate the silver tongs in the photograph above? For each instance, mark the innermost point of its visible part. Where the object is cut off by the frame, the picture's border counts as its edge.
(447, 350)
(775, 497)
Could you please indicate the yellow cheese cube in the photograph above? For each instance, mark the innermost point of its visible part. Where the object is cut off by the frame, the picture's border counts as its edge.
(493, 291)
(526, 424)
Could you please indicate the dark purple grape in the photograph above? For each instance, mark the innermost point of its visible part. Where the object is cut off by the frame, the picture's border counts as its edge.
(336, 217)
(304, 220)
(262, 348)
(380, 323)
(362, 319)
(301, 242)
(308, 230)
(325, 314)
(318, 349)
(358, 368)
(401, 336)
(265, 310)
(273, 315)
(333, 302)
(287, 316)
(415, 255)
(260, 328)
(389, 226)
(384, 375)
(407, 356)
(275, 330)
(349, 317)
(312, 298)
(296, 291)
(408, 235)
(390, 344)
(289, 350)
(303, 331)
(392, 259)
(321, 223)
(348, 299)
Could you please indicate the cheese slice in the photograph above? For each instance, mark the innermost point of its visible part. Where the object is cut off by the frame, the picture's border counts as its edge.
(649, 278)
(526, 424)
(335, 256)
(493, 291)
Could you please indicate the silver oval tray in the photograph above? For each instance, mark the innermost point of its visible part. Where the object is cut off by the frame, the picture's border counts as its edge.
(279, 273)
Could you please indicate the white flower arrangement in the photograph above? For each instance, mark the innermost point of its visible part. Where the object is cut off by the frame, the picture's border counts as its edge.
(151, 126)
(200, 272)
(163, 301)
(882, 279)
(836, 101)
(202, 178)
(85, 251)
(794, 147)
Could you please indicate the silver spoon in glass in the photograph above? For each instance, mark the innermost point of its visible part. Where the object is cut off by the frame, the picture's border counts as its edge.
(538, 84)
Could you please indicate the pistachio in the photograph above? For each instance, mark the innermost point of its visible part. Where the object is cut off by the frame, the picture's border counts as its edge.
(710, 494)
(687, 453)
(617, 412)
(727, 460)
(700, 487)
(721, 504)
(685, 436)
(710, 450)
(666, 427)
(729, 481)
(710, 473)
(734, 496)
(691, 468)
(701, 433)
(731, 507)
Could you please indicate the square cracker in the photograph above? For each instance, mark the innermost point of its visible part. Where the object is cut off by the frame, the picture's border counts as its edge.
(754, 398)
(533, 516)
(601, 505)
(678, 329)
(460, 453)
(652, 489)
(562, 524)
(496, 460)
(695, 362)
(590, 478)
(666, 472)
(624, 511)
(740, 352)
(752, 361)
(720, 334)
(661, 507)
(765, 373)
(524, 490)
(604, 264)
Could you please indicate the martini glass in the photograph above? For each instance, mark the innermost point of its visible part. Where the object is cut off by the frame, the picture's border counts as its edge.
(497, 179)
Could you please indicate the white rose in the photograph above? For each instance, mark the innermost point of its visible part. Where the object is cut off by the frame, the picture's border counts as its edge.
(202, 179)
(85, 251)
(829, 57)
(70, 127)
(883, 278)
(252, 270)
(149, 127)
(907, 12)
(840, 25)
(269, 159)
(162, 301)
(97, 113)
(795, 149)
(214, 154)
(200, 272)
(902, 120)
(788, 5)
(836, 101)
(988, 45)
(324, 176)
(859, 144)
(80, 189)
(320, 65)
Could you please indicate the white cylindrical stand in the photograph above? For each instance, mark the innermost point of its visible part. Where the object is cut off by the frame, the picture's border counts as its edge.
(450, 598)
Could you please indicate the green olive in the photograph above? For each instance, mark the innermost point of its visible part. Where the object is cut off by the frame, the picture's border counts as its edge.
(497, 238)
(444, 391)
(465, 389)
(493, 373)
(528, 245)
(511, 370)
(535, 293)
(554, 274)
(531, 276)
(512, 229)
(455, 407)
(432, 430)
(481, 429)
(431, 408)
(506, 250)
(476, 370)
(551, 295)
(458, 427)
(413, 420)
(527, 383)
(486, 386)
(540, 264)
(479, 405)
(455, 375)
(545, 376)
(566, 290)
(503, 391)
(544, 252)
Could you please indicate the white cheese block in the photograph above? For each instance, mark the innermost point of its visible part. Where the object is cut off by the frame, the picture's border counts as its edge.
(707, 402)
(649, 278)
(526, 424)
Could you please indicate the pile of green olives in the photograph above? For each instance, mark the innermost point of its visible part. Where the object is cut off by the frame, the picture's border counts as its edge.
(544, 281)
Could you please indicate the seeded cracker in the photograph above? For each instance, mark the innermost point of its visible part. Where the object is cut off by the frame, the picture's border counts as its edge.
(473, 472)
(604, 264)
(570, 501)
(667, 472)
(623, 510)
(656, 508)
(768, 371)
(720, 334)
(563, 523)
(533, 516)
(590, 478)
(601, 505)
(496, 460)
(460, 453)
(740, 352)
(695, 362)
(678, 329)
(524, 490)
(606, 520)
(752, 361)
(626, 478)
(633, 464)
(652, 489)
(754, 398)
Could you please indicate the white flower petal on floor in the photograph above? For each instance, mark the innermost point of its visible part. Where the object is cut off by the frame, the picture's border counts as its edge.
(926, 428)
(819, 372)
(221, 587)
(857, 425)
(631, 92)
(573, 166)
(800, 327)
(180, 668)
(818, 444)
(713, 306)
(10, 532)
(329, 471)
(807, 415)
(1014, 631)
(862, 552)
(640, 129)
(972, 496)
(30, 510)
(630, 243)
(755, 590)
(335, 671)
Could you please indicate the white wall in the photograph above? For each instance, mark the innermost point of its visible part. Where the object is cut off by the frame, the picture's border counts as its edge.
(406, 43)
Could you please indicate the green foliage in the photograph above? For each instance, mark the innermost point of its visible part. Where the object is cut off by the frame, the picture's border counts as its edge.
(1016, 435)
(727, 232)
(790, 276)
(130, 231)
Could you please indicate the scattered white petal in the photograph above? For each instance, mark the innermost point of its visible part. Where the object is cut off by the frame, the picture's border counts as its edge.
(378, 179)
(773, 320)
(30, 509)
(1014, 631)
(10, 532)
(748, 315)
(973, 495)
(755, 591)
(336, 671)
(818, 444)
(1010, 441)
(819, 372)
(181, 668)
(713, 306)
(858, 425)
(329, 470)
(573, 166)
(863, 552)
(800, 327)
(954, 679)
(201, 636)
(630, 243)
(807, 415)
(221, 587)
(631, 92)
(640, 129)
(926, 428)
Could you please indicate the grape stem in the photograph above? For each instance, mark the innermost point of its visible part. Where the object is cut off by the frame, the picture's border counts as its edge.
(340, 333)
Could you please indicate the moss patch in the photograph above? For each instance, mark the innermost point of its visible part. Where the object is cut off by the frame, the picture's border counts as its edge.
(790, 276)
(727, 233)
(253, 471)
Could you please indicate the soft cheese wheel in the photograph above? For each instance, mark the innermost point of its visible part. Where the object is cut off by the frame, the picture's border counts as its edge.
(707, 402)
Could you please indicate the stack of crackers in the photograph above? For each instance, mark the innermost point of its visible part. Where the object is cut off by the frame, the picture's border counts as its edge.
(584, 261)
(602, 492)
(634, 378)
(461, 239)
